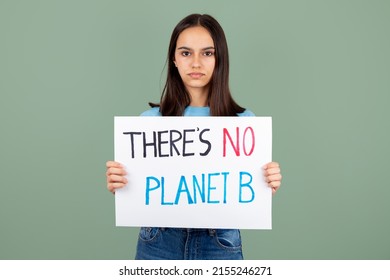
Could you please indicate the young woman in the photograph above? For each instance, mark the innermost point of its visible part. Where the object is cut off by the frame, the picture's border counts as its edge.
(197, 85)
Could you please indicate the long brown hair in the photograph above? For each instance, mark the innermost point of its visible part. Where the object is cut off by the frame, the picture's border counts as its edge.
(175, 98)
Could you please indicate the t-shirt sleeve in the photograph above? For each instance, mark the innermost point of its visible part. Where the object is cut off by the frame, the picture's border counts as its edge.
(152, 112)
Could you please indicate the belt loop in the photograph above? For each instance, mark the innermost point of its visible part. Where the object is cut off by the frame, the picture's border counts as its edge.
(211, 231)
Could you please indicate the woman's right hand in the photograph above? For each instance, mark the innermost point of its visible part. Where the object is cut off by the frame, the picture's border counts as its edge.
(115, 176)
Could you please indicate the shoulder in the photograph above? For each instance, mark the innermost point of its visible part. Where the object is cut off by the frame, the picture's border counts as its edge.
(246, 113)
(152, 112)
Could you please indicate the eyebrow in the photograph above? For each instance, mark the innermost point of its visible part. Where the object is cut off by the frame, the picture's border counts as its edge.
(188, 49)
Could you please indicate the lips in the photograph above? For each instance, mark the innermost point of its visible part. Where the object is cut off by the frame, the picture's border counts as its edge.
(196, 75)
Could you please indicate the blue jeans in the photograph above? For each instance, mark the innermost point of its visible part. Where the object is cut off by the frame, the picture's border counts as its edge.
(188, 244)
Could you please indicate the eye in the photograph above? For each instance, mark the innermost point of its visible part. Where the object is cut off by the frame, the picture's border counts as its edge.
(208, 53)
(186, 53)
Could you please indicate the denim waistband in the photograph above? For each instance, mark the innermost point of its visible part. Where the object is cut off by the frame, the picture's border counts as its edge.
(210, 231)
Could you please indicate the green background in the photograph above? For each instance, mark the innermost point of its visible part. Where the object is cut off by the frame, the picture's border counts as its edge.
(321, 69)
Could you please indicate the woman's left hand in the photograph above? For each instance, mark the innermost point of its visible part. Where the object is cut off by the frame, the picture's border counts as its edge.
(272, 175)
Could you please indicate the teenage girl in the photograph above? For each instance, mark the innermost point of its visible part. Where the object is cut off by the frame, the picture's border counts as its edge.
(197, 85)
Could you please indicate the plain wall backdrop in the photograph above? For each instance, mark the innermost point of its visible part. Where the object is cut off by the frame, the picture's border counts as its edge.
(321, 69)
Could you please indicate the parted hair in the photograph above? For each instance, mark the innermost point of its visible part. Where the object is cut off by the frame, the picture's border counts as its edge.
(175, 98)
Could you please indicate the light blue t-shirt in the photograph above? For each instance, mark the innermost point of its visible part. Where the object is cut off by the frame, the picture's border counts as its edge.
(192, 111)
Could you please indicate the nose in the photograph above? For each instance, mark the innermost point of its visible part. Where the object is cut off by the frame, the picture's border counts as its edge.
(196, 61)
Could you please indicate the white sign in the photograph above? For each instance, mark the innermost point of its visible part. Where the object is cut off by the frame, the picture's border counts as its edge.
(194, 172)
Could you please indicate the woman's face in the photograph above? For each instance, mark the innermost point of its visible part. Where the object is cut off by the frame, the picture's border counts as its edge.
(195, 59)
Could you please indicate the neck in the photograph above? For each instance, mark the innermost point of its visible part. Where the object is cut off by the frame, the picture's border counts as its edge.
(199, 97)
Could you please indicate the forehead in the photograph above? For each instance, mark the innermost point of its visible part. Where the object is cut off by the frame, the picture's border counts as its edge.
(195, 37)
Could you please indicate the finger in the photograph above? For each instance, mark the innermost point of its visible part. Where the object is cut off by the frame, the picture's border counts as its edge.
(271, 171)
(116, 179)
(271, 165)
(275, 177)
(274, 185)
(112, 187)
(111, 163)
(116, 171)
